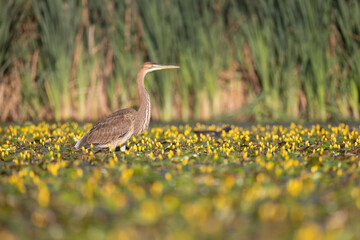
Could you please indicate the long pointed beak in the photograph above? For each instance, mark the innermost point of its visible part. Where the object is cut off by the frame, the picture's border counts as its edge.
(159, 66)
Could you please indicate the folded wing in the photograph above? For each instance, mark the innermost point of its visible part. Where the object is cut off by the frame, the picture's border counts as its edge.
(113, 128)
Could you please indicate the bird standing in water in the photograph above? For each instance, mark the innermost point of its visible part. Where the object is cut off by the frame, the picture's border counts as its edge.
(117, 128)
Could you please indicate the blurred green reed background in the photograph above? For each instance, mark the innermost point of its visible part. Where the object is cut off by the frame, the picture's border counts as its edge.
(240, 60)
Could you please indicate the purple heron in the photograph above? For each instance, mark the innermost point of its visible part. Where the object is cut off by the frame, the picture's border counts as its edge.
(117, 128)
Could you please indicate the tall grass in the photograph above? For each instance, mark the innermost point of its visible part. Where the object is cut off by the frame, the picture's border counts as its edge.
(14, 60)
(296, 50)
(58, 25)
(279, 60)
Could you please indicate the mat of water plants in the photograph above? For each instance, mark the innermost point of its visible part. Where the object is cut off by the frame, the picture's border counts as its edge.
(182, 182)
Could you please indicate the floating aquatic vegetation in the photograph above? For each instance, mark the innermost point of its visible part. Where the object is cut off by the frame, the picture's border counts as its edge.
(182, 182)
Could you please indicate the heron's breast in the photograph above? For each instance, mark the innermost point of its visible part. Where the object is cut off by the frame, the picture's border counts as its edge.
(147, 118)
(143, 119)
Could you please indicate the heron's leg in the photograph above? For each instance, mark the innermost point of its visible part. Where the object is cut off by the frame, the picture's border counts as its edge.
(123, 148)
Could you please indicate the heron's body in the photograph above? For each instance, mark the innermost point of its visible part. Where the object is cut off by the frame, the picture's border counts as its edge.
(117, 128)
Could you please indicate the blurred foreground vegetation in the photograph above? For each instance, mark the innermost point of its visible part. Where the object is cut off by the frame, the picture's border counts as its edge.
(261, 182)
(248, 60)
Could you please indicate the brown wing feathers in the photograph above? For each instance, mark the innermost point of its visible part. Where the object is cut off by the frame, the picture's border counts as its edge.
(110, 128)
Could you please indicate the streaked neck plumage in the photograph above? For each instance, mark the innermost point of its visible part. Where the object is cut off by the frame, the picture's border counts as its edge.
(143, 113)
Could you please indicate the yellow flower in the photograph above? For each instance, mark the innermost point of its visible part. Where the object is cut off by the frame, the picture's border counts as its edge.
(156, 189)
(170, 202)
(168, 176)
(314, 168)
(310, 231)
(229, 181)
(53, 168)
(126, 176)
(43, 196)
(270, 165)
(137, 191)
(149, 211)
(294, 187)
(272, 211)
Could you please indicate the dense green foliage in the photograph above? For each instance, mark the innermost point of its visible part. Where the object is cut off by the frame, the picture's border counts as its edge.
(259, 182)
(296, 59)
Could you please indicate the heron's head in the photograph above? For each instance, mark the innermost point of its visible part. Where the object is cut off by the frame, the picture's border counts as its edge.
(149, 67)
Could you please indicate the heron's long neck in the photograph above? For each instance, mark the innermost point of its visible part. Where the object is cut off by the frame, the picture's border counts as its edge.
(144, 111)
